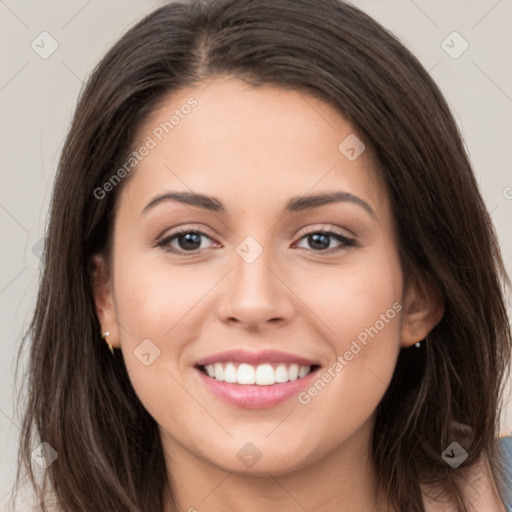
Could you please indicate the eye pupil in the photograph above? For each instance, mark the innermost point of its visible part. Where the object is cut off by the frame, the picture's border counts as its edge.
(319, 240)
(191, 239)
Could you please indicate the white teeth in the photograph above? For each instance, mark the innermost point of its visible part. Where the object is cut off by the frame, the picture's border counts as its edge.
(265, 374)
(218, 370)
(230, 374)
(303, 371)
(293, 372)
(282, 373)
(245, 374)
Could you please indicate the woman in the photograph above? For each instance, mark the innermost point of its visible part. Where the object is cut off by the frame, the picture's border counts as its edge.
(266, 211)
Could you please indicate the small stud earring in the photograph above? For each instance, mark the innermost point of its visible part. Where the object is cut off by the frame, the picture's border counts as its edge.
(110, 347)
(417, 345)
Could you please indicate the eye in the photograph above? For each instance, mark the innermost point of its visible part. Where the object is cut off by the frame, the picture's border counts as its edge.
(320, 241)
(188, 240)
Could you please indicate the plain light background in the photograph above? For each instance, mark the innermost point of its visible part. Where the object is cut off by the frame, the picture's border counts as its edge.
(38, 96)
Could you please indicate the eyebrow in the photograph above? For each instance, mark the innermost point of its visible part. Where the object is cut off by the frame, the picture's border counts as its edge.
(294, 204)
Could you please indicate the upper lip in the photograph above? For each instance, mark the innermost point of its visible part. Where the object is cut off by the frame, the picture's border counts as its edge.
(255, 358)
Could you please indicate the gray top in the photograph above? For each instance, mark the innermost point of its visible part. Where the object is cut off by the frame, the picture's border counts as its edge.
(505, 446)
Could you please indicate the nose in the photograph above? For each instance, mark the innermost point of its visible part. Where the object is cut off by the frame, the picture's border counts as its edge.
(255, 297)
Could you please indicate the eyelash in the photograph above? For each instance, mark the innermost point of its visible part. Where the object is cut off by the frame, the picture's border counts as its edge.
(164, 243)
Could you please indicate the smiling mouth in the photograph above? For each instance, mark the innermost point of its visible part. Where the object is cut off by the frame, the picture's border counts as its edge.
(266, 374)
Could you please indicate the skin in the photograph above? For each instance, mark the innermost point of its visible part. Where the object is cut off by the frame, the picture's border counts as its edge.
(253, 149)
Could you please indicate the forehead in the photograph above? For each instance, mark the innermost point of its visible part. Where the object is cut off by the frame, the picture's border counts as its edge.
(229, 139)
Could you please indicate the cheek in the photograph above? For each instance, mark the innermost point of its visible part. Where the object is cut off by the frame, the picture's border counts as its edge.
(368, 306)
(161, 309)
(359, 302)
(360, 306)
(355, 299)
(155, 313)
(153, 299)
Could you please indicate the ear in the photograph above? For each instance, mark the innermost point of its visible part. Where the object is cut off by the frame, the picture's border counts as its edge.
(423, 310)
(103, 299)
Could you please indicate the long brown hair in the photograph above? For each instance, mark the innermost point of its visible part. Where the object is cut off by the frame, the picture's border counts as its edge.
(80, 401)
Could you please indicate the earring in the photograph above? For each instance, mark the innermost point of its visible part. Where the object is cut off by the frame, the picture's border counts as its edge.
(418, 345)
(110, 347)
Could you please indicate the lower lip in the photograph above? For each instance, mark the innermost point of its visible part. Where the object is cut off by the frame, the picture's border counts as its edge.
(253, 396)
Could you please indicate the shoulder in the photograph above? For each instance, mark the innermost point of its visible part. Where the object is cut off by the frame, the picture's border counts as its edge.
(480, 492)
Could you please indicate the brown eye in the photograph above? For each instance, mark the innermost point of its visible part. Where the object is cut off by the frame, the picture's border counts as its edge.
(186, 240)
(320, 241)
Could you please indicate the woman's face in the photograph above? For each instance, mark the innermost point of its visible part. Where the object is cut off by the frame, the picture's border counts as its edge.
(265, 293)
